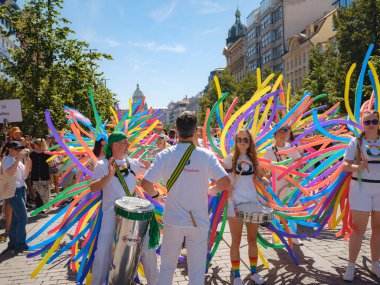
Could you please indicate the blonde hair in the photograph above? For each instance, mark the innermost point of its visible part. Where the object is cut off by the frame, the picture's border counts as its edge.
(251, 153)
(41, 143)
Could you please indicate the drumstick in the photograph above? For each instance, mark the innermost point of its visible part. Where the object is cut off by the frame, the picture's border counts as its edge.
(192, 219)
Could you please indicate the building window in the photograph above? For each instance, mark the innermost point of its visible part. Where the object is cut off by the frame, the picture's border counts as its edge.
(278, 33)
(277, 15)
(278, 51)
(252, 50)
(266, 21)
(267, 56)
(266, 39)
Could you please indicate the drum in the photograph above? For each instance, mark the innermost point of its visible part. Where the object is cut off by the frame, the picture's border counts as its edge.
(132, 221)
(254, 213)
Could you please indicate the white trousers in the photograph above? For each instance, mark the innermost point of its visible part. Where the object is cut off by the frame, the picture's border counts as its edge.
(196, 245)
(103, 255)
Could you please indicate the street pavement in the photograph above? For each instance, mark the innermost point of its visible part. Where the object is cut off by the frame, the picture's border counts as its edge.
(322, 261)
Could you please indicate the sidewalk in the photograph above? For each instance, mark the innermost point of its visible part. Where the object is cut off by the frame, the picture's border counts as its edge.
(322, 261)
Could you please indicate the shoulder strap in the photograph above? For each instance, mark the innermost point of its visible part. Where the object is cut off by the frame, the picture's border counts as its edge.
(275, 151)
(121, 179)
(180, 166)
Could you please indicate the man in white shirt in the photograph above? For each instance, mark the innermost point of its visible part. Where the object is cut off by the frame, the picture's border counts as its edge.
(186, 210)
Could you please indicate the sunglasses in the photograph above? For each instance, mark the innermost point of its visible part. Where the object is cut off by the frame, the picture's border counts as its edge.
(368, 122)
(244, 140)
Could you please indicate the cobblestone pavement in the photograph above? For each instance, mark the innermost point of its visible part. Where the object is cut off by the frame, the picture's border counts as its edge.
(322, 261)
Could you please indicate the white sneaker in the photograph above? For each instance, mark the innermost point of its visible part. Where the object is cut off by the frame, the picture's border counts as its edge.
(376, 268)
(237, 281)
(257, 279)
(297, 241)
(350, 272)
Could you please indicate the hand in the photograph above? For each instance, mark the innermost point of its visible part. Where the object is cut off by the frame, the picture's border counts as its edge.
(111, 167)
(229, 188)
(265, 181)
(363, 165)
(146, 163)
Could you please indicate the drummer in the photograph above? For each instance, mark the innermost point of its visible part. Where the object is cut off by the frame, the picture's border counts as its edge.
(104, 178)
(243, 165)
(281, 136)
(186, 209)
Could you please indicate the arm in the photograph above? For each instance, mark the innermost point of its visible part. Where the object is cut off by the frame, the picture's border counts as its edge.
(98, 184)
(12, 170)
(28, 167)
(148, 187)
(350, 166)
(223, 183)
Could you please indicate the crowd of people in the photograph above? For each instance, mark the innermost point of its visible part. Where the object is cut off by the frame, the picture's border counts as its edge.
(186, 214)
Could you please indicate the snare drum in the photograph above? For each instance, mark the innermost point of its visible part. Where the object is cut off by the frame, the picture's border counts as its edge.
(254, 213)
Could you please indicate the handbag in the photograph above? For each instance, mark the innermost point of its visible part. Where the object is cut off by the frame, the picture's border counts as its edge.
(7, 185)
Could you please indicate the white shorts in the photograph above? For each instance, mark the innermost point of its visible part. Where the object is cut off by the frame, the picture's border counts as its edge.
(364, 196)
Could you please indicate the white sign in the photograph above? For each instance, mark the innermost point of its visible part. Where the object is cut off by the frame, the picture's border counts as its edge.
(10, 110)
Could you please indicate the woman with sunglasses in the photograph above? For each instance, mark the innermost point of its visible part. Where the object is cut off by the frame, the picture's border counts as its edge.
(243, 165)
(272, 153)
(362, 158)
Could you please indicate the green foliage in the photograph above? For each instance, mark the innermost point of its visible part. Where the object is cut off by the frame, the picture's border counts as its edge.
(51, 68)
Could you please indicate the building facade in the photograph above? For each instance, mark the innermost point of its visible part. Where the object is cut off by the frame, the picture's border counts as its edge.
(272, 24)
(296, 60)
(138, 96)
(236, 48)
(11, 42)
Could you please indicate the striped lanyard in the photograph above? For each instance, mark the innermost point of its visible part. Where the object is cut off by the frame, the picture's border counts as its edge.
(181, 165)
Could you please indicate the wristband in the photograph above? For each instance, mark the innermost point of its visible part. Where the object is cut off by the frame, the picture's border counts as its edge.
(156, 196)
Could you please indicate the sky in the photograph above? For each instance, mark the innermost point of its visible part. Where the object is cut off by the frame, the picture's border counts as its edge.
(168, 47)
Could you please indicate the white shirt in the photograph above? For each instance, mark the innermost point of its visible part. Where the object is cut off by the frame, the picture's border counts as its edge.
(113, 190)
(244, 188)
(7, 162)
(370, 152)
(270, 154)
(189, 192)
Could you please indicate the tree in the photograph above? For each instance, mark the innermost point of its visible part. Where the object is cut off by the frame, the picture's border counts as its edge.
(321, 78)
(227, 84)
(51, 67)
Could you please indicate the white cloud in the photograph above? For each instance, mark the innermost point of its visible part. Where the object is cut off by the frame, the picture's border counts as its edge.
(210, 7)
(161, 13)
(161, 47)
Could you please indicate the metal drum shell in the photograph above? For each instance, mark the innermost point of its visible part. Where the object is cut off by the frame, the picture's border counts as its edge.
(262, 214)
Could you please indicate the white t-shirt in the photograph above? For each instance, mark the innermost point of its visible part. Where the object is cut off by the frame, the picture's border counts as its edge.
(113, 190)
(244, 188)
(189, 192)
(7, 162)
(371, 152)
(270, 154)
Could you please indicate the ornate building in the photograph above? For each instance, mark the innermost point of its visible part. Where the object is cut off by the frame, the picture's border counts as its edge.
(138, 96)
(235, 47)
(298, 46)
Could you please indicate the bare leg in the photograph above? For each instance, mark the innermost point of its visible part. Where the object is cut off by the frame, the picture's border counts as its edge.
(360, 221)
(375, 236)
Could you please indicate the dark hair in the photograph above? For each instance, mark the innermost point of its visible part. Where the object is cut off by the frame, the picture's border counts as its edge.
(98, 147)
(186, 124)
(171, 133)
